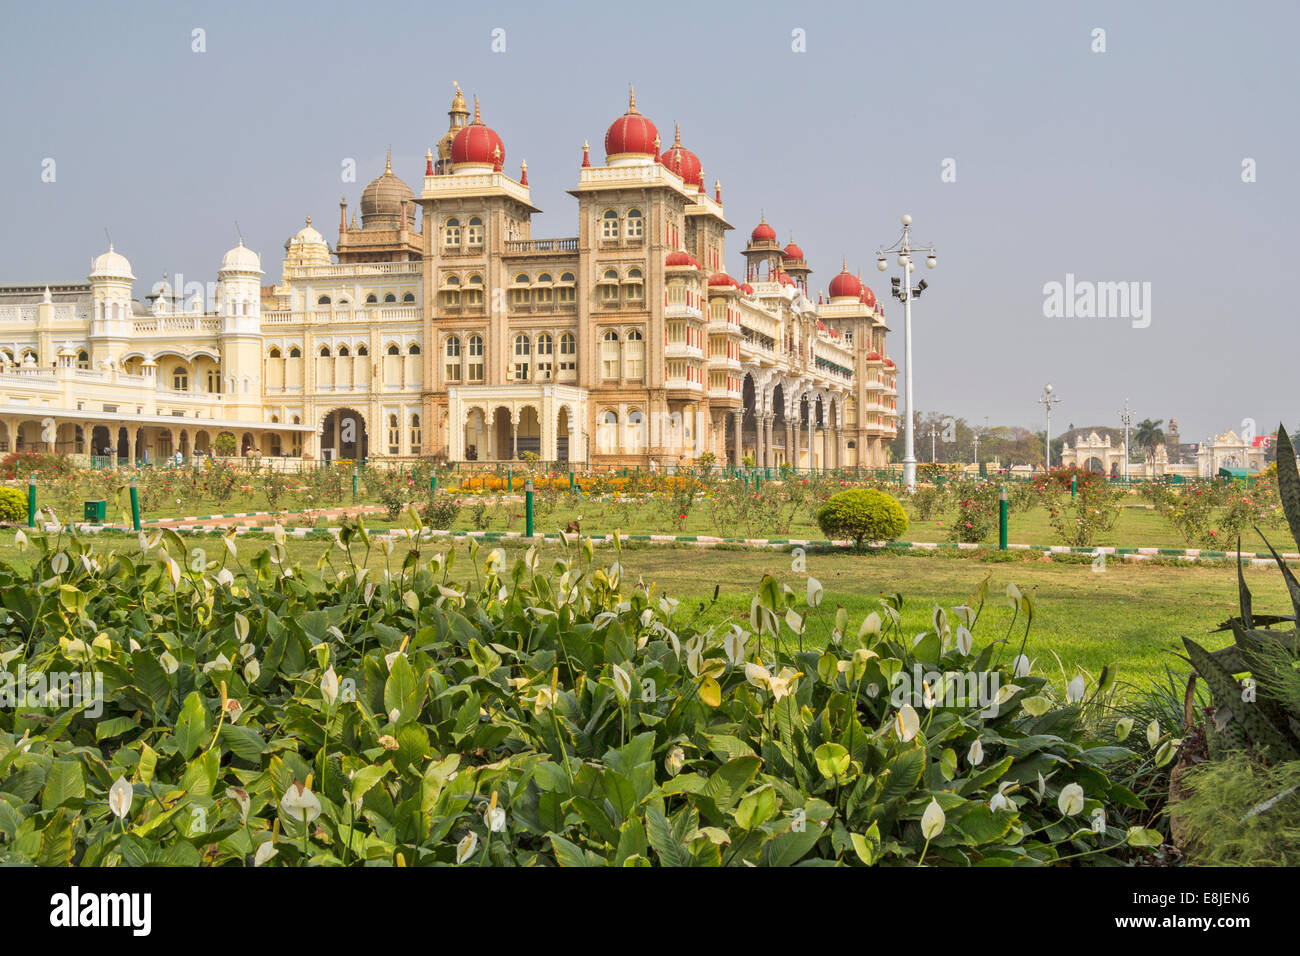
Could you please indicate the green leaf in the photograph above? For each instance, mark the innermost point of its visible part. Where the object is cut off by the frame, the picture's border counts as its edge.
(728, 782)
(192, 725)
(56, 841)
(244, 742)
(65, 782)
(672, 852)
(1288, 482)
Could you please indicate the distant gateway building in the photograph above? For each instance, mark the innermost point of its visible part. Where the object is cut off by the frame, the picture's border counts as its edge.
(465, 338)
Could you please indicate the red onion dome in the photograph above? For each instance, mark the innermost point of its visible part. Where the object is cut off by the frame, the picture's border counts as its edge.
(846, 285)
(478, 145)
(746, 288)
(681, 160)
(763, 232)
(792, 252)
(873, 356)
(821, 326)
(681, 260)
(868, 297)
(722, 279)
(631, 134)
(784, 278)
(889, 363)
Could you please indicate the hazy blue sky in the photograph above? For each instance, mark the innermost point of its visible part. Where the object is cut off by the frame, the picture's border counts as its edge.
(1117, 166)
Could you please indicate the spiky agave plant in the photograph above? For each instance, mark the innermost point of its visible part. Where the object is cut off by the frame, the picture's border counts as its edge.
(1258, 714)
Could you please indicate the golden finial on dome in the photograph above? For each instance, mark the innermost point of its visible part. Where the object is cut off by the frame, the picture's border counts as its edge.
(477, 117)
(388, 162)
(677, 135)
(631, 98)
(308, 223)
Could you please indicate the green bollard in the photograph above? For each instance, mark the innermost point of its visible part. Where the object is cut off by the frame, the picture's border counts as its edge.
(1002, 520)
(528, 508)
(570, 482)
(1074, 486)
(135, 505)
(510, 480)
(758, 481)
(354, 485)
(31, 501)
(433, 482)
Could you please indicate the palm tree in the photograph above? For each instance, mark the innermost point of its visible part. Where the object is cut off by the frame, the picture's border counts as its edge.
(1148, 435)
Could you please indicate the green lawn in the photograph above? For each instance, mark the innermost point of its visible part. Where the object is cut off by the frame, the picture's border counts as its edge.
(1131, 614)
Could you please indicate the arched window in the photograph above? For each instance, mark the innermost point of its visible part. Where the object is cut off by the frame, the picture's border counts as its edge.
(523, 350)
(568, 290)
(545, 293)
(607, 433)
(635, 355)
(568, 356)
(609, 354)
(394, 436)
(635, 224)
(295, 352)
(451, 367)
(324, 351)
(635, 285)
(609, 287)
(474, 291)
(372, 299)
(451, 292)
(323, 300)
(609, 225)
(275, 352)
(474, 369)
(545, 346)
(413, 350)
(394, 350)
(343, 351)
(390, 298)
(408, 298)
(362, 350)
(520, 293)
(415, 434)
(474, 233)
(451, 232)
(180, 379)
(83, 359)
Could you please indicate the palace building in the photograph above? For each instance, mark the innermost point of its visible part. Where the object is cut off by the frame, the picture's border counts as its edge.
(439, 326)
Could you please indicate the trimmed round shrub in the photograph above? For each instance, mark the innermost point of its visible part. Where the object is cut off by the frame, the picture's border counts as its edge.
(13, 505)
(862, 514)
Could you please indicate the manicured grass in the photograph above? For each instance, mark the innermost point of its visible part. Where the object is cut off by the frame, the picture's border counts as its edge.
(1132, 615)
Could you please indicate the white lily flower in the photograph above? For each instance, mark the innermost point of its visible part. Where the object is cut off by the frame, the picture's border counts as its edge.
(1075, 689)
(494, 818)
(1123, 727)
(758, 675)
(120, 797)
(870, 625)
(965, 641)
(252, 671)
(20, 540)
(622, 682)
(168, 662)
(241, 797)
(815, 592)
(329, 686)
(174, 572)
(59, 563)
(265, 850)
(907, 722)
(1020, 666)
(965, 614)
(976, 753)
(225, 578)
(933, 820)
(1070, 801)
(1014, 597)
(734, 645)
(674, 761)
(466, 847)
(300, 803)
(1153, 733)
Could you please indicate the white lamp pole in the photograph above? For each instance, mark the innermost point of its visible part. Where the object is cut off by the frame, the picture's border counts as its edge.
(1048, 399)
(904, 292)
(1126, 417)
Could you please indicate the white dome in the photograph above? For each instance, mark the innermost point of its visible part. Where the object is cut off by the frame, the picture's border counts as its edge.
(308, 236)
(111, 265)
(242, 259)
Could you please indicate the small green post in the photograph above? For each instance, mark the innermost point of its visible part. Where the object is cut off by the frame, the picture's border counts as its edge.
(31, 501)
(758, 481)
(1074, 486)
(354, 485)
(510, 480)
(433, 482)
(570, 481)
(1002, 519)
(135, 505)
(528, 508)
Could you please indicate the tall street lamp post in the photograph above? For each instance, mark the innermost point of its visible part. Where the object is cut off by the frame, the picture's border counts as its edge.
(1048, 399)
(905, 293)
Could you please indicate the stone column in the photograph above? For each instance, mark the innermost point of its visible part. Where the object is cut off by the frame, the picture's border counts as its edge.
(738, 418)
(758, 441)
